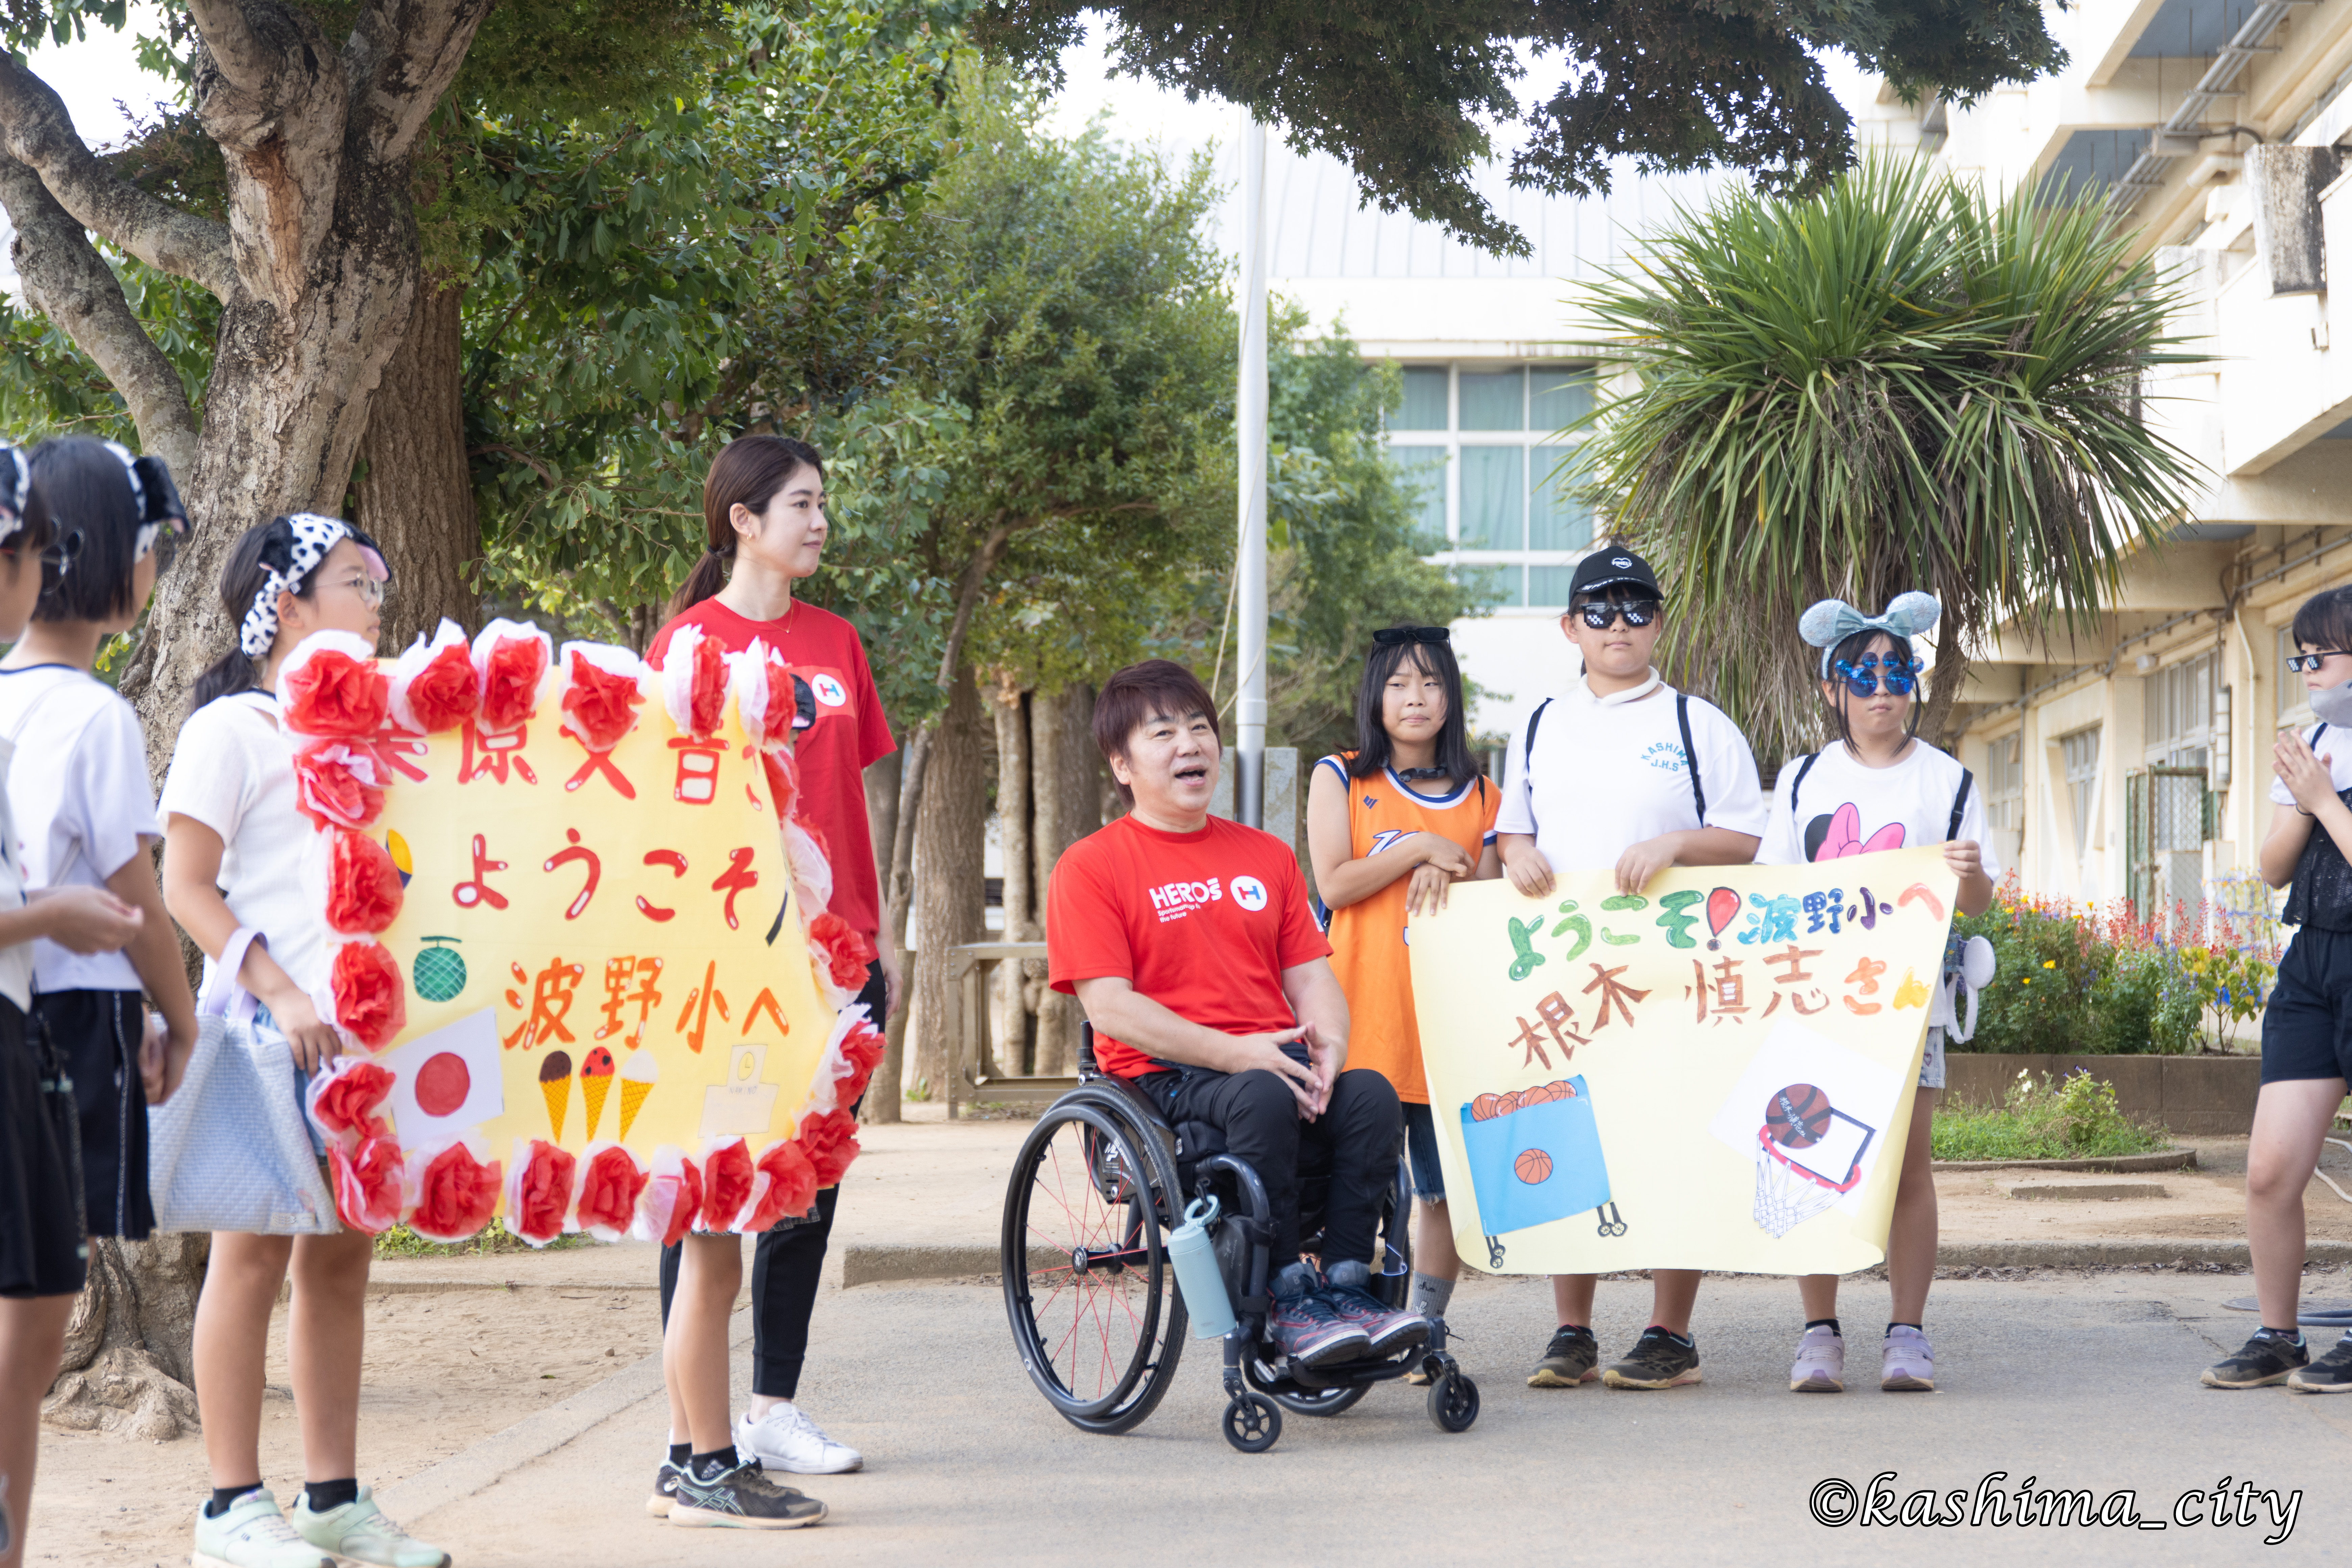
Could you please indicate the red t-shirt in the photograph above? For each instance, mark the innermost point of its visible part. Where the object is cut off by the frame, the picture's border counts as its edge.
(850, 733)
(1204, 923)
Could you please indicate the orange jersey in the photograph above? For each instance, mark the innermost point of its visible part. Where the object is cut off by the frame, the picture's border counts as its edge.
(1368, 939)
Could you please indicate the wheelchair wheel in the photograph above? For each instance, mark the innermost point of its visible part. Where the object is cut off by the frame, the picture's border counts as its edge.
(1453, 1402)
(1087, 1288)
(1252, 1423)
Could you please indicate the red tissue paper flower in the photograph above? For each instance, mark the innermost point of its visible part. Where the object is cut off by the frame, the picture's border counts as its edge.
(861, 1053)
(456, 1196)
(845, 949)
(707, 695)
(370, 1182)
(830, 1139)
(444, 693)
(792, 1185)
(346, 1102)
(363, 886)
(726, 1185)
(543, 1191)
(338, 784)
(815, 837)
(685, 1195)
(609, 1193)
(783, 780)
(370, 1000)
(332, 693)
(510, 683)
(603, 706)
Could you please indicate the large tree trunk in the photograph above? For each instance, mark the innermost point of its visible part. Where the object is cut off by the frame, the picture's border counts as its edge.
(415, 489)
(882, 781)
(1011, 1001)
(127, 1364)
(951, 846)
(1063, 768)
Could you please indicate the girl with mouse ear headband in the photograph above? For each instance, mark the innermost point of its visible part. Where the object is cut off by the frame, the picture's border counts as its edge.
(1844, 634)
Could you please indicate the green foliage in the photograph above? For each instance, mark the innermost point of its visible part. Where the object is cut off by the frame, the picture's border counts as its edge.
(1404, 91)
(2074, 979)
(493, 1240)
(2073, 1119)
(1900, 383)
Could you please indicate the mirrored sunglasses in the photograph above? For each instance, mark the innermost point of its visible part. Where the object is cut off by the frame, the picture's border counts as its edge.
(1389, 636)
(1864, 676)
(2301, 662)
(1599, 614)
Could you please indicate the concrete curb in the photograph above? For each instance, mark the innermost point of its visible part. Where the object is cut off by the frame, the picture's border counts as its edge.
(2162, 1159)
(474, 1469)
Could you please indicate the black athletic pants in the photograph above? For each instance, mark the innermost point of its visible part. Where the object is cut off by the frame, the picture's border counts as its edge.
(1354, 1142)
(785, 1263)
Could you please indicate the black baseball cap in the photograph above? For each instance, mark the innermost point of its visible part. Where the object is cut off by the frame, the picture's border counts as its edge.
(1613, 566)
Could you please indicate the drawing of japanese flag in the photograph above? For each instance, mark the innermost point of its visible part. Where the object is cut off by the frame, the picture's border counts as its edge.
(446, 1083)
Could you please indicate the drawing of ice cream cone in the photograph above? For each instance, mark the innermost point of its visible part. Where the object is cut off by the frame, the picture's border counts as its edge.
(595, 1083)
(555, 1083)
(637, 1077)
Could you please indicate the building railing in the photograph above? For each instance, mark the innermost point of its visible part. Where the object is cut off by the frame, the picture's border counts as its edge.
(970, 1082)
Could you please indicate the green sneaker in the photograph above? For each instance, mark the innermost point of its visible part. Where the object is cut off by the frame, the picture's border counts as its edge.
(2331, 1374)
(2265, 1359)
(252, 1533)
(359, 1530)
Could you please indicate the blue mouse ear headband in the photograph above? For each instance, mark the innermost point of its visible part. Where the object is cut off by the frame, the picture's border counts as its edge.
(1831, 621)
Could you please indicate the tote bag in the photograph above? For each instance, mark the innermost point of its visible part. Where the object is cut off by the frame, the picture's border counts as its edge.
(231, 1149)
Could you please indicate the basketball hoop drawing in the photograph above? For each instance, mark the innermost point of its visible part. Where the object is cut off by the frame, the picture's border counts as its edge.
(1808, 1155)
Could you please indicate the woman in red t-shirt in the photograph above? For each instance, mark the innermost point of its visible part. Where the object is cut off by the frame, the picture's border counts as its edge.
(763, 514)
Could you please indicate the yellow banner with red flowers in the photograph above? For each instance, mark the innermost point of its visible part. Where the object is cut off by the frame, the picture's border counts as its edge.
(581, 957)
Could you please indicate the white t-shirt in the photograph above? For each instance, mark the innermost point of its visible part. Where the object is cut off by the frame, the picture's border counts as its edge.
(2337, 746)
(15, 962)
(85, 811)
(1608, 775)
(1847, 808)
(233, 771)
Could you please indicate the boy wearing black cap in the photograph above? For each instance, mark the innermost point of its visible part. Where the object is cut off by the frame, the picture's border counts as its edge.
(1621, 770)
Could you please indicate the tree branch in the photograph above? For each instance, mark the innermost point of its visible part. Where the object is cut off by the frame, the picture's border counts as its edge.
(67, 282)
(38, 134)
(401, 58)
(271, 93)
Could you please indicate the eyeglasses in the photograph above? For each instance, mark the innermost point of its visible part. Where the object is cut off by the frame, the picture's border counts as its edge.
(1389, 636)
(1599, 614)
(2301, 662)
(1864, 676)
(368, 589)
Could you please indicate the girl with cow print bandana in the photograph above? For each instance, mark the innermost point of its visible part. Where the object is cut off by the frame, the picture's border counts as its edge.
(1879, 786)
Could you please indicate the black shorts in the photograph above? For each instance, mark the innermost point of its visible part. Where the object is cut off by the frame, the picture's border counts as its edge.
(42, 1250)
(2307, 1023)
(1421, 1149)
(98, 1033)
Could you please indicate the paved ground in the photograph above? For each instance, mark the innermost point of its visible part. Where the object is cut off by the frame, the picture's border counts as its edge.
(2083, 1381)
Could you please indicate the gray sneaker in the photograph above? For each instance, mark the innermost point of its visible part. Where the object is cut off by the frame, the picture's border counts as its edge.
(1819, 1367)
(2266, 1358)
(1572, 1357)
(2331, 1374)
(741, 1499)
(1658, 1360)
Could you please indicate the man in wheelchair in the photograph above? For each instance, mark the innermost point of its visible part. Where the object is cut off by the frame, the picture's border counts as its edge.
(1188, 940)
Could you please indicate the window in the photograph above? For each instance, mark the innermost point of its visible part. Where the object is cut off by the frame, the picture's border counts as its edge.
(2180, 710)
(1505, 509)
(2081, 754)
(2005, 783)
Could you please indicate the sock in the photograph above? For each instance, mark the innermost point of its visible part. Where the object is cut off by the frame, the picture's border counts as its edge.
(1679, 1339)
(1579, 1328)
(226, 1497)
(1914, 1327)
(1829, 1323)
(679, 1453)
(1291, 1279)
(324, 1496)
(2292, 1336)
(710, 1466)
(1430, 1295)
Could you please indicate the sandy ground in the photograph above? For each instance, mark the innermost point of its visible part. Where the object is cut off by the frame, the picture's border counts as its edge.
(462, 1348)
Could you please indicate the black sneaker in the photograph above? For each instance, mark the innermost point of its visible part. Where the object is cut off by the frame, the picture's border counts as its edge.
(1389, 1329)
(2267, 1358)
(741, 1499)
(2331, 1374)
(665, 1490)
(1572, 1357)
(1310, 1331)
(1658, 1360)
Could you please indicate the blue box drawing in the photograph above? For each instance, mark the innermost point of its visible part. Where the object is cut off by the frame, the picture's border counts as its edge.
(1564, 1132)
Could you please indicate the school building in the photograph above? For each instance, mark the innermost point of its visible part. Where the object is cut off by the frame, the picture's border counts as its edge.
(2134, 758)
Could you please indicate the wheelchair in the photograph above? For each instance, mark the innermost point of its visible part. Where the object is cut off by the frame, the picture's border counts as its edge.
(1091, 1294)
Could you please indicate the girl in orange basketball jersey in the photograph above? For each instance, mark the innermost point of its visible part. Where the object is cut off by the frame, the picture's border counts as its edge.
(1392, 826)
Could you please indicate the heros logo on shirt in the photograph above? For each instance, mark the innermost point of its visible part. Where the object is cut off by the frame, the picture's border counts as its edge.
(829, 690)
(1175, 900)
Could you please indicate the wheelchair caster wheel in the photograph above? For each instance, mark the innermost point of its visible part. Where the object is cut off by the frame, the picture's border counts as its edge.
(1253, 1423)
(1453, 1402)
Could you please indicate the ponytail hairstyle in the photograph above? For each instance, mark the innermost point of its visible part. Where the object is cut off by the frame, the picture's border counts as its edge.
(748, 472)
(101, 498)
(280, 556)
(1372, 736)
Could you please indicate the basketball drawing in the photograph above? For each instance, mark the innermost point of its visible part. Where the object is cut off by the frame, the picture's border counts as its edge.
(1532, 1166)
(1797, 1116)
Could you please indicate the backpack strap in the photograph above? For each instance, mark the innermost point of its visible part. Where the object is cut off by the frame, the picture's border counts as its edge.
(1690, 755)
(1803, 767)
(1959, 802)
(1528, 748)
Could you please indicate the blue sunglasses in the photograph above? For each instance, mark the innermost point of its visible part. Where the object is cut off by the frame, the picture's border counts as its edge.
(1864, 676)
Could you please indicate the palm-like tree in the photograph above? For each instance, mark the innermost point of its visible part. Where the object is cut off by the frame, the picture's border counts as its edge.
(1900, 383)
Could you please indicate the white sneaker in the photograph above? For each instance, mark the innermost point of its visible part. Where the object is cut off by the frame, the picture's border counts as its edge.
(1908, 1362)
(360, 1531)
(786, 1439)
(252, 1533)
(1820, 1366)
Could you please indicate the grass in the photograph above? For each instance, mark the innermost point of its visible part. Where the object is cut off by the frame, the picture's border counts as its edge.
(2072, 1120)
(402, 1242)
